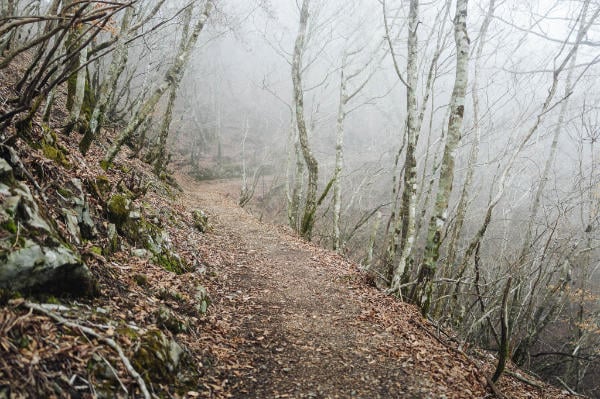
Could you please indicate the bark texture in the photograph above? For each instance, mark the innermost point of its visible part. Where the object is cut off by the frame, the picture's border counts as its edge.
(172, 77)
(310, 205)
(437, 222)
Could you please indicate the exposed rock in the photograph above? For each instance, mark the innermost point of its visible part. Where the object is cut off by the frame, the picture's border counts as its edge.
(5, 170)
(167, 319)
(87, 226)
(118, 207)
(133, 224)
(202, 300)
(99, 187)
(201, 221)
(52, 270)
(33, 257)
(113, 239)
(140, 253)
(77, 212)
(162, 360)
(72, 224)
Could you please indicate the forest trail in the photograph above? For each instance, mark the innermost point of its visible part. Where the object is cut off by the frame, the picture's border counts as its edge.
(301, 322)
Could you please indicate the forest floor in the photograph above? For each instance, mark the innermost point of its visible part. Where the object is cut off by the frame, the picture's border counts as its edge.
(301, 321)
(287, 318)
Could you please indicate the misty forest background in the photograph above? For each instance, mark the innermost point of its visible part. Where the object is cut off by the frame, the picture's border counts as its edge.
(449, 147)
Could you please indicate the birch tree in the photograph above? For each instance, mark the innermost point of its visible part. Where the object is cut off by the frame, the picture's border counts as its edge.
(474, 152)
(172, 77)
(118, 63)
(310, 204)
(409, 195)
(457, 108)
(346, 94)
(158, 155)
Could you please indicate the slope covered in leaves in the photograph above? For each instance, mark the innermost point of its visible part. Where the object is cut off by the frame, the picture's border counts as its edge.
(242, 309)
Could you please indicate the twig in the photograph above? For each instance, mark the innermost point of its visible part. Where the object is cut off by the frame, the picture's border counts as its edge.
(568, 388)
(494, 389)
(503, 352)
(114, 373)
(108, 341)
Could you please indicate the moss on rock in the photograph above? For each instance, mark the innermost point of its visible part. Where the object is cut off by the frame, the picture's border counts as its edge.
(201, 221)
(118, 208)
(164, 361)
(165, 318)
(141, 280)
(171, 262)
(55, 154)
(34, 258)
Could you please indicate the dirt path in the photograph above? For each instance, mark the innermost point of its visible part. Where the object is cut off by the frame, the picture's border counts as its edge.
(302, 324)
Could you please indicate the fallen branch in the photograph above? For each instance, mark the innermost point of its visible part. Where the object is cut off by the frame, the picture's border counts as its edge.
(108, 341)
(568, 388)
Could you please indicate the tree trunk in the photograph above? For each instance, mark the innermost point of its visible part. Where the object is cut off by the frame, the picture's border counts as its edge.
(310, 205)
(461, 208)
(339, 158)
(119, 59)
(409, 195)
(160, 161)
(80, 87)
(457, 107)
(172, 77)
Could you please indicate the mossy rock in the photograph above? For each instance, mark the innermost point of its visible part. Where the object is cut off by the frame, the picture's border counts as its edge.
(9, 225)
(106, 382)
(168, 295)
(105, 165)
(65, 192)
(33, 256)
(201, 221)
(100, 186)
(118, 208)
(55, 154)
(126, 331)
(171, 262)
(141, 280)
(165, 318)
(163, 361)
(52, 150)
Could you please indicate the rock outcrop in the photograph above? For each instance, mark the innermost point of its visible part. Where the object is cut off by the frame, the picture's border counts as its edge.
(33, 255)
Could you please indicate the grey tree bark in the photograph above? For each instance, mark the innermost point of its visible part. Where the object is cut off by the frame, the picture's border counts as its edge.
(310, 204)
(409, 195)
(172, 77)
(424, 288)
(117, 65)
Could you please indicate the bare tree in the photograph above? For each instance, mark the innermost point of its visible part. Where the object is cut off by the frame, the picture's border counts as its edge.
(172, 77)
(310, 205)
(424, 288)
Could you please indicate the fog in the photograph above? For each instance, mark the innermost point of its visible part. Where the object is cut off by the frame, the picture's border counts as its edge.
(238, 88)
(449, 164)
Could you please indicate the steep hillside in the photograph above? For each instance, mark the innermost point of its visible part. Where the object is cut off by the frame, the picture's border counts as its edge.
(115, 284)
